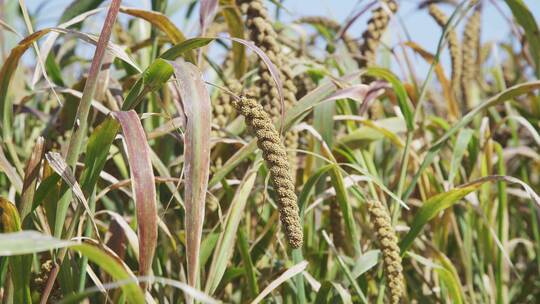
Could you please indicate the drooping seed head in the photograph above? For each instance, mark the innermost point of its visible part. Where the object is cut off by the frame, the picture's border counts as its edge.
(276, 159)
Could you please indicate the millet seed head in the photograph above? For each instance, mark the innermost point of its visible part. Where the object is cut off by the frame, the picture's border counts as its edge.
(371, 37)
(276, 159)
(387, 238)
(453, 45)
(471, 45)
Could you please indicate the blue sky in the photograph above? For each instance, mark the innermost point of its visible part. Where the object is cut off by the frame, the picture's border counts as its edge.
(418, 23)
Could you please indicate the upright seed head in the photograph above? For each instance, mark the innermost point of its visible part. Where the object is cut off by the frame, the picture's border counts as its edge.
(390, 250)
(277, 162)
(371, 37)
(471, 42)
(262, 33)
(350, 43)
(453, 45)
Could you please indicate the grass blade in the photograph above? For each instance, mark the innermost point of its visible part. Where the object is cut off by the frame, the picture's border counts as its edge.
(507, 94)
(226, 241)
(290, 273)
(19, 265)
(400, 91)
(196, 104)
(526, 19)
(163, 23)
(233, 18)
(30, 178)
(10, 171)
(26, 242)
(143, 186)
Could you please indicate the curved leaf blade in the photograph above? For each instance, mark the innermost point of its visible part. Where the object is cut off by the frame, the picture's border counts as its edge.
(143, 185)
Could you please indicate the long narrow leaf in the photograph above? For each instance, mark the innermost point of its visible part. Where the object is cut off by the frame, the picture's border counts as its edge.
(226, 241)
(143, 185)
(26, 242)
(196, 104)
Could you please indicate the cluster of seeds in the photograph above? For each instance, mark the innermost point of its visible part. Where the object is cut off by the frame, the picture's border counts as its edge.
(471, 41)
(39, 281)
(350, 43)
(222, 109)
(274, 154)
(265, 37)
(390, 250)
(453, 45)
(371, 38)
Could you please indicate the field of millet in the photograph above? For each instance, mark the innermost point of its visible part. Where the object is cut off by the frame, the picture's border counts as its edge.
(207, 151)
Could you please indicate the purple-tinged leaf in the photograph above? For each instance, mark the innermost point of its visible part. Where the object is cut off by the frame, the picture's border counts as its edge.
(376, 88)
(197, 107)
(142, 185)
(355, 17)
(207, 13)
(357, 92)
(117, 241)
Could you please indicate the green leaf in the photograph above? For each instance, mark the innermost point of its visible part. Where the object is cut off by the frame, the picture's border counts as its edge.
(163, 23)
(430, 209)
(97, 149)
(233, 18)
(525, 18)
(78, 7)
(185, 46)
(226, 242)
(19, 265)
(53, 70)
(449, 275)
(248, 263)
(495, 100)
(365, 262)
(460, 146)
(26, 242)
(400, 91)
(157, 74)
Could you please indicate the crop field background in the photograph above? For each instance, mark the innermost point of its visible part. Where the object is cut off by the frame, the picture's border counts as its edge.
(265, 151)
